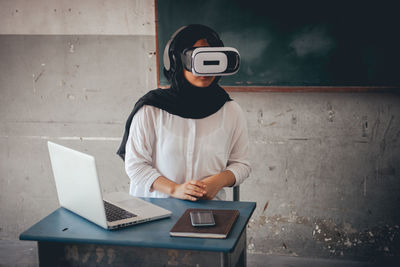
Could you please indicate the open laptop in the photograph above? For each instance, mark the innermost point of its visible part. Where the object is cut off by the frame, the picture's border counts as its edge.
(79, 191)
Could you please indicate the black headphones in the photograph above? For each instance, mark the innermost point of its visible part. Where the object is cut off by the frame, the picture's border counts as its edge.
(169, 57)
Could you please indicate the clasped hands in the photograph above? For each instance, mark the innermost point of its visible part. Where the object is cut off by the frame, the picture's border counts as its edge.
(203, 189)
(194, 190)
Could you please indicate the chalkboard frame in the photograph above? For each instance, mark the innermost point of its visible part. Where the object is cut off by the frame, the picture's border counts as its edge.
(276, 88)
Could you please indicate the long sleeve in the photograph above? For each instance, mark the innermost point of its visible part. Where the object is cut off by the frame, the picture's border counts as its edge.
(139, 150)
(238, 162)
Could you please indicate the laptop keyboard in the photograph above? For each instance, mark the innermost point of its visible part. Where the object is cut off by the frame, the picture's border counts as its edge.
(114, 213)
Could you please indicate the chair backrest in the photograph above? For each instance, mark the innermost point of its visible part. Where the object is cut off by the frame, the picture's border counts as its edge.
(236, 195)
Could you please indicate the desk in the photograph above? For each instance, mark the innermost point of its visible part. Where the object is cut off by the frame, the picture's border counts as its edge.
(65, 239)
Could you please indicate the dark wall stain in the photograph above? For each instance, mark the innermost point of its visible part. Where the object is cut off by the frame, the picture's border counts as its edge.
(294, 119)
(266, 206)
(364, 126)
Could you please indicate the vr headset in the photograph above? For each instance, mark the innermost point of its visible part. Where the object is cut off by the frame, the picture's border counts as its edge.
(211, 61)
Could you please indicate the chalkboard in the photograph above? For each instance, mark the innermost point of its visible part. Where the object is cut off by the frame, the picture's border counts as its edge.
(296, 43)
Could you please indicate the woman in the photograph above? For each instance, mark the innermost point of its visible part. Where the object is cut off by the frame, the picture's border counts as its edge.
(188, 141)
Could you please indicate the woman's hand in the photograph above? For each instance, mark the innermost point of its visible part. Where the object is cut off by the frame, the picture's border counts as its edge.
(190, 190)
(212, 187)
(216, 182)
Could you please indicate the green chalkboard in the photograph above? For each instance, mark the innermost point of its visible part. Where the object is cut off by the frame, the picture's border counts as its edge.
(296, 43)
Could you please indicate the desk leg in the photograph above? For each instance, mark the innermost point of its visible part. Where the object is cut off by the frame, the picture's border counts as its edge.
(63, 254)
(239, 255)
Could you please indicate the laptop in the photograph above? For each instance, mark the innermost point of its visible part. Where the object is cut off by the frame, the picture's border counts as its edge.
(79, 191)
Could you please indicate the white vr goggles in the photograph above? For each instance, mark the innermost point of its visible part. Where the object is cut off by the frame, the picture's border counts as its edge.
(211, 61)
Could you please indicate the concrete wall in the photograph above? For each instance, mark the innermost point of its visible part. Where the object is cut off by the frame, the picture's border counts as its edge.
(325, 165)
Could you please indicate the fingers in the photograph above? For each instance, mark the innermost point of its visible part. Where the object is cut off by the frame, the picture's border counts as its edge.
(194, 190)
(189, 197)
(198, 184)
(190, 190)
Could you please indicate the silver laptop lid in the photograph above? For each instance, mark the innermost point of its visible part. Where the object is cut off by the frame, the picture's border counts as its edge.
(77, 183)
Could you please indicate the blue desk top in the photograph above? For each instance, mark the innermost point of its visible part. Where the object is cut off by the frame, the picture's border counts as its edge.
(153, 234)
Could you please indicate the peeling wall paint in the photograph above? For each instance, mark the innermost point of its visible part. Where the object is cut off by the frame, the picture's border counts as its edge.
(336, 240)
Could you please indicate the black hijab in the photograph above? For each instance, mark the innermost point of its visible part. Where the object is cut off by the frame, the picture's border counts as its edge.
(182, 98)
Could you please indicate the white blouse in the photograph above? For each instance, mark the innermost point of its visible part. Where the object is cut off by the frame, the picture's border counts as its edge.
(162, 144)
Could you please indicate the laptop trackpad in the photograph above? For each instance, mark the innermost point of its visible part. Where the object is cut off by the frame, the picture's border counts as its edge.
(132, 204)
(128, 202)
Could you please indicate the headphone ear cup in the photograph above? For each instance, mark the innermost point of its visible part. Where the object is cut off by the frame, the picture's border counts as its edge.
(173, 65)
(169, 65)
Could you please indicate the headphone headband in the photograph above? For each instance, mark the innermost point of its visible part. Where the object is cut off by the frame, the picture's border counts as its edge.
(167, 63)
